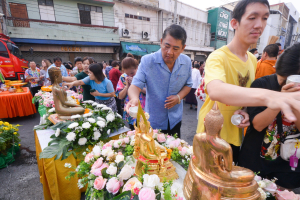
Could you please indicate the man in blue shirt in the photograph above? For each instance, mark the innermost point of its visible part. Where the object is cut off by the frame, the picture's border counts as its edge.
(166, 74)
(57, 63)
(108, 68)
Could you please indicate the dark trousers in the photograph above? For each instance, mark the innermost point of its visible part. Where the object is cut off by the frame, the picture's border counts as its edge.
(119, 106)
(174, 130)
(235, 153)
(34, 90)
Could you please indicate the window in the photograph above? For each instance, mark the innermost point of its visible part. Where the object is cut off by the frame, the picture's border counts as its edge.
(46, 8)
(90, 14)
(19, 11)
(137, 17)
(16, 52)
(3, 51)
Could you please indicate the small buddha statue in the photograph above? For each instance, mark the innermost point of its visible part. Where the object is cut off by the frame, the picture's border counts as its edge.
(63, 107)
(148, 151)
(211, 174)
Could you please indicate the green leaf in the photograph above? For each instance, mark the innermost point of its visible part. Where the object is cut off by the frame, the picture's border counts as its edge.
(55, 149)
(135, 197)
(104, 174)
(167, 194)
(121, 165)
(123, 196)
(158, 194)
(61, 125)
(108, 195)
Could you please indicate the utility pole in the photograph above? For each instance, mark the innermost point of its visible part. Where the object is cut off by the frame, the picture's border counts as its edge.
(175, 13)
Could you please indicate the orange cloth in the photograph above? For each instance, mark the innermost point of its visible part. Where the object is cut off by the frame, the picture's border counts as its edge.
(16, 104)
(264, 68)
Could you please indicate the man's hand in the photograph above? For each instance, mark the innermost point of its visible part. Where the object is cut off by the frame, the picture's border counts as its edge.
(95, 94)
(131, 103)
(171, 101)
(290, 88)
(245, 123)
(69, 85)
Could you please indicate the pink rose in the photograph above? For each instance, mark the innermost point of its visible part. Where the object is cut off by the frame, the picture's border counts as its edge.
(120, 153)
(117, 144)
(270, 186)
(155, 131)
(286, 195)
(97, 172)
(106, 145)
(175, 143)
(257, 178)
(126, 140)
(180, 148)
(80, 96)
(99, 183)
(130, 133)
(52, 102)
(183, 151)
(88, 157)
(113, 185)
(147, 194)
(161, 138)
(98, 163)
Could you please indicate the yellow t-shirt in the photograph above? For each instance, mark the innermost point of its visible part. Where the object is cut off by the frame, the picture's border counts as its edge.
(223, 65)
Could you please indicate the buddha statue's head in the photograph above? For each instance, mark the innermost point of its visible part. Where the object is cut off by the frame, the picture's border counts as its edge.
(55, 75)
(213, 121)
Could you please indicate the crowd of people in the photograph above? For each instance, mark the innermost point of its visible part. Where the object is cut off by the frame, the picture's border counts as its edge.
(241, 82)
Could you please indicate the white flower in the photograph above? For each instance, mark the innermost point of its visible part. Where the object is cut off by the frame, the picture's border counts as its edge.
(86, 125)
(110, 117)
(101, 105)
(263, 195)
(132, 142)
(82, 141)
(101, 119)
(95, 129)
(51, 110)
(97, 151)
(190, 150)
(101, 124)
(57, 132)
(75, 116)
(88, 101)
(68, 165)
(87, 114)
(118, 115)
(71, 136)
(176, 189)
(95, 104)
(111, 170)
(97, 135)
(261, 184)
(119, 158)
(80, 185)
(108, 131)
(106, 108)
(84, 153)
(91, 120)
(73, 125)
(126, 172)
(151, 181)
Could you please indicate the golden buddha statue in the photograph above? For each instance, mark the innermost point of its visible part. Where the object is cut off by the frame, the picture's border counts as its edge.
(148, 151)
(63, 107)
(211, 175)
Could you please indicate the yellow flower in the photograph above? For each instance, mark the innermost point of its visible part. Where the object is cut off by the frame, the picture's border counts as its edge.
(1, 122)
(16, 129)
(15, 133)
(18, 125)
(6, 123)
(5, 128)
(19, 144)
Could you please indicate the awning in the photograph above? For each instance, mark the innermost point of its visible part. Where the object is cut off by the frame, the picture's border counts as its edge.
(138, 49)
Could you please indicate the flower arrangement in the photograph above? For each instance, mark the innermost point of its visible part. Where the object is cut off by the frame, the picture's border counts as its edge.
(9, 142)
(109, 172)
(82, 131)
(269, 190)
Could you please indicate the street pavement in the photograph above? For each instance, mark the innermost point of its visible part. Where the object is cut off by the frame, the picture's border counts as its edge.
(21, 179)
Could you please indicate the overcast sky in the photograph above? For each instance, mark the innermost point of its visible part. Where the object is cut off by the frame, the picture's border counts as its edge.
(203, 4)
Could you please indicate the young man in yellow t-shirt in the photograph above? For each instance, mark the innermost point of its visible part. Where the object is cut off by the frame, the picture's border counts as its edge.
(230, 71)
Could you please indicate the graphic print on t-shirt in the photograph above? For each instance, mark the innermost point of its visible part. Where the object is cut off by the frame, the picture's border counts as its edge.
(243, 80)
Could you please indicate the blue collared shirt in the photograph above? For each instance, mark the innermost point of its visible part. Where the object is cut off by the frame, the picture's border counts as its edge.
(160, 83)
(62, 69)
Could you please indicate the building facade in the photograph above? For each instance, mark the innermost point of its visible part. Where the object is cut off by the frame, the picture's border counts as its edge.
(141, 25)
(64, 28)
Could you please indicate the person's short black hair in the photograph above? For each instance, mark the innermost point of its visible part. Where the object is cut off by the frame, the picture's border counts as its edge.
(253, 50)
(288, 62)
(272, 50)
(110, 62)
(240, 8)
(77, 59)
(30, 61)
(197, 66)
(97, 68)
(115, 63)
(278, 44)
(201, 62)
(57, 59)
(176, 32)
(67, 66)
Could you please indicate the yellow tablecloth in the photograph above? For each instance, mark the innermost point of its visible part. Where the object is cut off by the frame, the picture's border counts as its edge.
(53, 173)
